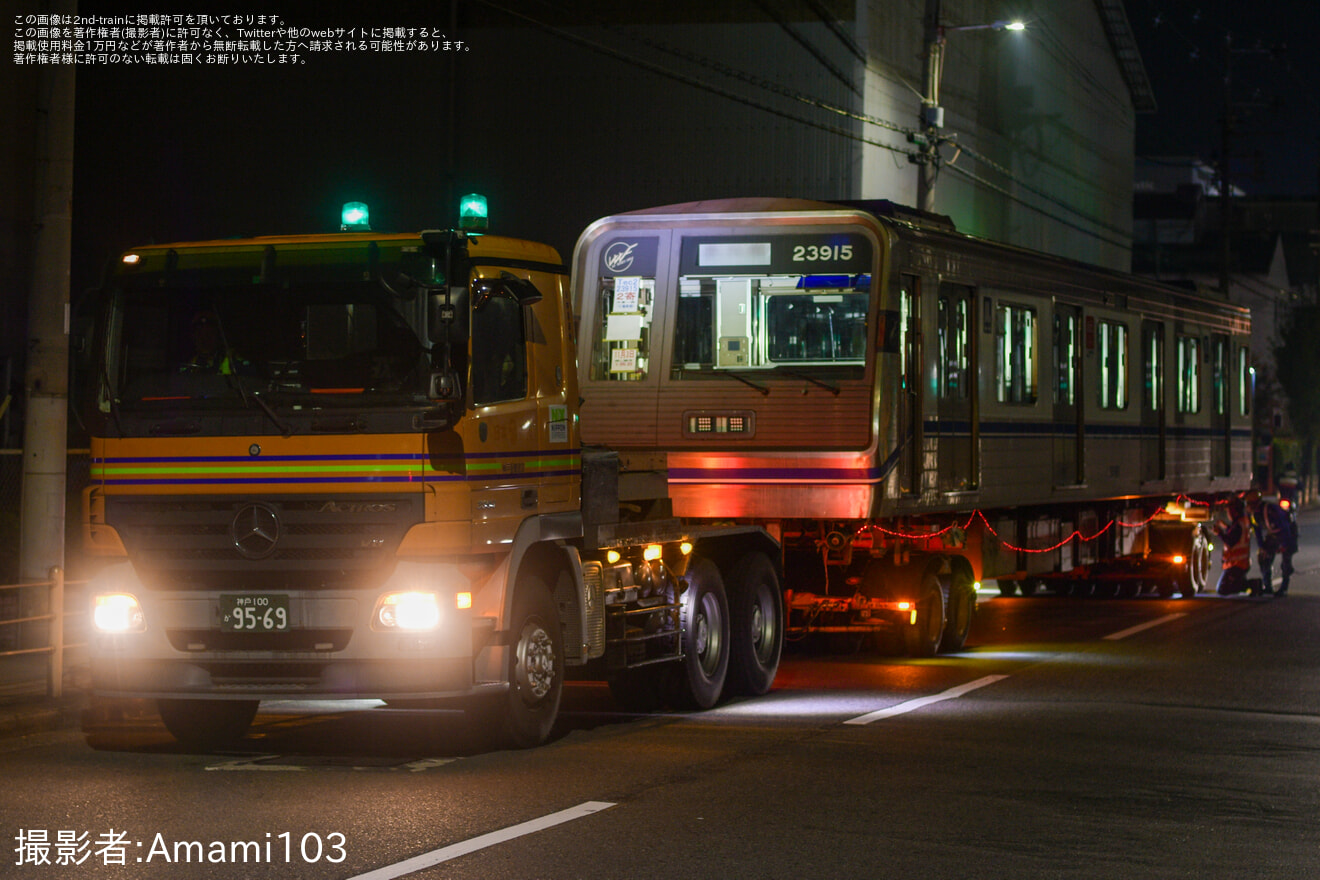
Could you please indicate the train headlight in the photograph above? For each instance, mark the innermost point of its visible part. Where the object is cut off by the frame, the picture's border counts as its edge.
(117, 613)
(408, 611)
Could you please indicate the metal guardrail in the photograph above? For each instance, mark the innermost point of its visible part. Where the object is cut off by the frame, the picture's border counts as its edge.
(57, 618)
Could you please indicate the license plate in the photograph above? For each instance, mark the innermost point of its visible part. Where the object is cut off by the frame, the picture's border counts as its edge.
(254, 612)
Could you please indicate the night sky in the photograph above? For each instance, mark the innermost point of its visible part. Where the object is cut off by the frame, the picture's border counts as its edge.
(1274, 87)
(178, 153)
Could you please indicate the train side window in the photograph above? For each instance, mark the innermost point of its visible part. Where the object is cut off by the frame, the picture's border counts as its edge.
(1112, 344)
(1189, 374)
(1246, 375)
(1015, 354)
(1152, 346)
(954, 328)
(1065, 359)
(1219, 375)
(621, 348)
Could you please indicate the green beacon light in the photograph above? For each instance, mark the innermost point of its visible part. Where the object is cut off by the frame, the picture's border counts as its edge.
(355, 217)
(472, 212)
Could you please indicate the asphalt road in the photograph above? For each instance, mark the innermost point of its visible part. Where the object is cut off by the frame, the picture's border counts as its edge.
(1073, 738)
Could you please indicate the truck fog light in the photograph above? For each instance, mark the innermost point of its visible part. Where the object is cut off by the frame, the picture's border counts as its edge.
(408, 611)
(117, 613)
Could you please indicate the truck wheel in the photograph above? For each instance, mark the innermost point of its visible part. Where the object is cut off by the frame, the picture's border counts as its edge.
(699, 680)
(961, 605)
(207, 724)
(922, 639)
(756, 625)
(536, 667)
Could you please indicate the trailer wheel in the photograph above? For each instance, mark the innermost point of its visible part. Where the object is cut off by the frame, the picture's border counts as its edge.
(961, 608)
(207, 724)
(536, 668)
(699, 680)
(922, 639)
(1030, 586)
(1198, 563)
(1007, 587)
(756, 625)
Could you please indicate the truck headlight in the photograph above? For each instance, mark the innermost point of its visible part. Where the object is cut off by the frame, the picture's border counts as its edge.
(411, 611)
(117, 613)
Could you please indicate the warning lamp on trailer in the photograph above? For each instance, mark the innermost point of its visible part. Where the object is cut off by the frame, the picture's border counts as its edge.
(472, 212)
(355, 217)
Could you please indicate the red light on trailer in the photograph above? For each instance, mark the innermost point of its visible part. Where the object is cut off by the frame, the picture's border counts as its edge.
(1285, 503)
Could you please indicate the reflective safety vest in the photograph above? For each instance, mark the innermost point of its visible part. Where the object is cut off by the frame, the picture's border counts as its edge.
(1238, 553)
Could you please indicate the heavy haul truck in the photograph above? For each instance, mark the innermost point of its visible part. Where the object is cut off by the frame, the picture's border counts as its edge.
(384, 466)
(349, 466)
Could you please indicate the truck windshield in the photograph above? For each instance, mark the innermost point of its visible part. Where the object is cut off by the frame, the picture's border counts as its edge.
(216, 343)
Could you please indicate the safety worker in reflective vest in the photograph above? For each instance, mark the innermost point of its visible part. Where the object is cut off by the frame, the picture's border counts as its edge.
(1274, 536)
(1236, 535)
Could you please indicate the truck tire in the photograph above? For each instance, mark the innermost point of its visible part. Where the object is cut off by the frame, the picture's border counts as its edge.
(922, 639)
(960, 607)
(756, 625)
(527, 713)
(207, 724)
(699, 679)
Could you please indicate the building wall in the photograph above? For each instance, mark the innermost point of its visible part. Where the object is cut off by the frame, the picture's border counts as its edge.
(713, 109)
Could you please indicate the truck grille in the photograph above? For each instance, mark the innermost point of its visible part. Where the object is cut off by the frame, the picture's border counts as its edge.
(262, 543)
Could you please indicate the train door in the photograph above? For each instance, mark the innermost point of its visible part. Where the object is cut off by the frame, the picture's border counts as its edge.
(909, 384)
(1221, 428)
(1069, 426)
(956, 396)
(1153, 410)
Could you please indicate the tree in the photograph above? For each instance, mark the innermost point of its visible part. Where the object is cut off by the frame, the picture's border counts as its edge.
(1297, 357)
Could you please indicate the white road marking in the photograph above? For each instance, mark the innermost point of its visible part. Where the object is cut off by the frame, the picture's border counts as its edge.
(453, 851)
(254, 763)
(1133, 630)
(921, 702)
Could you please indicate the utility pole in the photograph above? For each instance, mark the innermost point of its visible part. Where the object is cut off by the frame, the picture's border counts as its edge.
(1225, 184)
(931, 116)
(45, 431)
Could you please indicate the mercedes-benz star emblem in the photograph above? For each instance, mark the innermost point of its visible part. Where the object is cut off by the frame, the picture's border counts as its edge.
(255, 531)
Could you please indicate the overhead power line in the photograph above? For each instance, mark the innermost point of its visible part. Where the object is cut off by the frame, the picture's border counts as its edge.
(817, 103)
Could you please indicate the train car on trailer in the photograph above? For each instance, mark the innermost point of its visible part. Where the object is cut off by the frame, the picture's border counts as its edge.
(909, 409)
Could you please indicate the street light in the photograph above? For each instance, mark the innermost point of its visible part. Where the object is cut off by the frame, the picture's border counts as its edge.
(932, 114)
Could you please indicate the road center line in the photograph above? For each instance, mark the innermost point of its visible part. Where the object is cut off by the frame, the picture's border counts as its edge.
(454, 850)
(1133, 630)
(920, 702)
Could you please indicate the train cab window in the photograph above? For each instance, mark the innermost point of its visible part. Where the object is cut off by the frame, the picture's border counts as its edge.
(953, 366)
(621, 349)
(1111, 342)
(1015, 354)
(741, 322)
(1189, 374)
(1065, 358)
(1246, 381)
